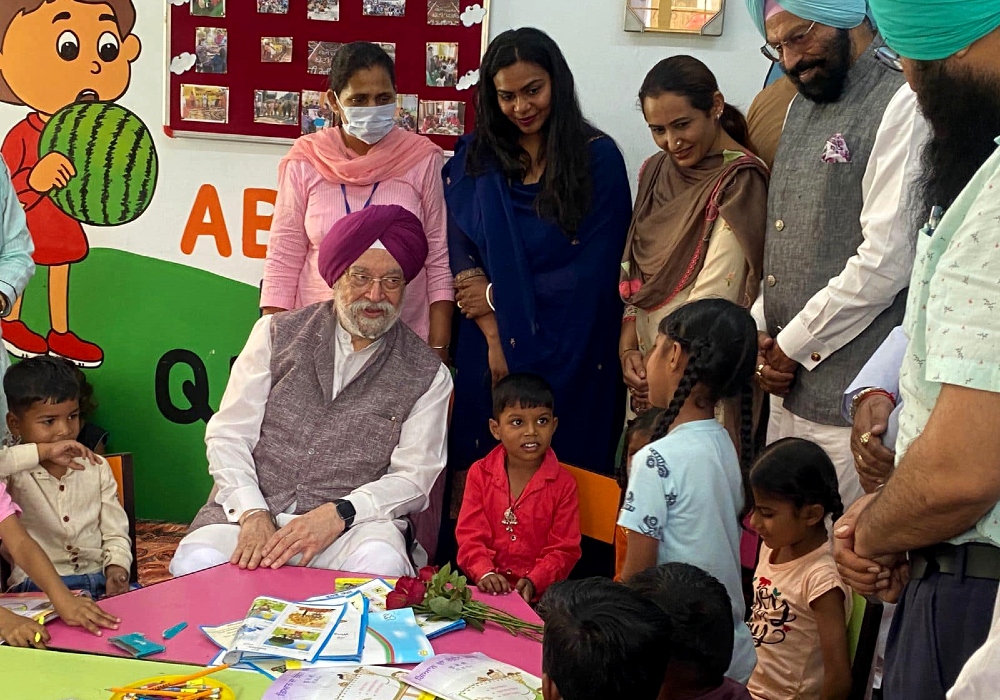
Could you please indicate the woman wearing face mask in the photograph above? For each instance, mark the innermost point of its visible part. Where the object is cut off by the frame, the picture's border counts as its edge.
(366, 160)
(539, 204)
(698, 225)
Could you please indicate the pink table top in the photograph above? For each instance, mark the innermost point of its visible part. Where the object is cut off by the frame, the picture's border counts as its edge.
(224, 594)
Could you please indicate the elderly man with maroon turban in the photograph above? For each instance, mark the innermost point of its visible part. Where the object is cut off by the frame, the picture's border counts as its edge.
(332, 428)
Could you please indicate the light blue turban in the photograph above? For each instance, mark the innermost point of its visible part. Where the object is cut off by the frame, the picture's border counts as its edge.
(842, 14)
(932, 30)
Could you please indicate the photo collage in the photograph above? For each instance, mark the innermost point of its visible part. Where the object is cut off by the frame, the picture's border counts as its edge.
(311, 110)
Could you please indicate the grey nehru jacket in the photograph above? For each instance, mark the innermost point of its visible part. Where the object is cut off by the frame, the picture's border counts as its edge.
(814, 227)
(314, 449)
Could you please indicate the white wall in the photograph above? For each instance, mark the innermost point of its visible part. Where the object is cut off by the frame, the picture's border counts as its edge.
(610, 63)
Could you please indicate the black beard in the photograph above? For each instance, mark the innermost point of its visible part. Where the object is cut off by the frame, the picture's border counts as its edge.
(828, 84)
(963, 110)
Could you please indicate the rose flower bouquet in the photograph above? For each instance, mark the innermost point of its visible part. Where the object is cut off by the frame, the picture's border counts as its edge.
(446, 595)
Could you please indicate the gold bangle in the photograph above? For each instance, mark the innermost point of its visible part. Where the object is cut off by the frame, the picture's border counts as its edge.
(469, 274)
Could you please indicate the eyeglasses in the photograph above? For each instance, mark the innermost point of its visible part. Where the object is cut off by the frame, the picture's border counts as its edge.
(889, 58)
(363, 282)
(774, 52)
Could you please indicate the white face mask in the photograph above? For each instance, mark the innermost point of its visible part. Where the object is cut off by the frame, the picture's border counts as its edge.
(368, 124)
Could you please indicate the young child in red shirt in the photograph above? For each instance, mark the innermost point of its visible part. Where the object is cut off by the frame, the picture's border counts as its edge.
(519, 526)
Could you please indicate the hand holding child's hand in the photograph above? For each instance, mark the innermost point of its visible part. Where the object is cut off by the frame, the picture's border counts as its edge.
(117, 581)
(80, 611)
(494, 583)
(65, 454)
(526, 589)
(20, 631)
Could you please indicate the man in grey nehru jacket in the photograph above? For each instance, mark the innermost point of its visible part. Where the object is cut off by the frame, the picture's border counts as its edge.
(839, 246)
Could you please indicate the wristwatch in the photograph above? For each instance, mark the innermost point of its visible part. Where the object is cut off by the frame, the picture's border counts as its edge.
(345, 509)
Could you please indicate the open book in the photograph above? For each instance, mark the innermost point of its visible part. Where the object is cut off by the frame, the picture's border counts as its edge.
(348, 683)
(275, 627)
(473, 677)
(37, 606)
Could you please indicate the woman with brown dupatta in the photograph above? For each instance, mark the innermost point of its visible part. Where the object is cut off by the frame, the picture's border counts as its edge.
(699, 218)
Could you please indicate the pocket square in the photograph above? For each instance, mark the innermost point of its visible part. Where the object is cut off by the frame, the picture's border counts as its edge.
(836, 150)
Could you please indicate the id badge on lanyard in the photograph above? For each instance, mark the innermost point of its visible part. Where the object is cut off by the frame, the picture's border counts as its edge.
(347, 205)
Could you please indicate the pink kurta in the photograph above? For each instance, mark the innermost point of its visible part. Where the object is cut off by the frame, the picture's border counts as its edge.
(308, 205)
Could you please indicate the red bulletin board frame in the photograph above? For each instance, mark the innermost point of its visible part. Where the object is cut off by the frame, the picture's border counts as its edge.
(247, 73)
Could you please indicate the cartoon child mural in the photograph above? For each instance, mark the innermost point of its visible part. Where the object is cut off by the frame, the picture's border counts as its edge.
(58, 55)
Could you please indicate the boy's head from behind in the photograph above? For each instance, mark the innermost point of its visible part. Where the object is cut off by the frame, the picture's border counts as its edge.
(523, 417)
(602, 640)
(43, 396)
(701, 619)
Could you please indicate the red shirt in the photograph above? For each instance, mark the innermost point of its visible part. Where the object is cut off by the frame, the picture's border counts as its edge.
(544, 545)
(58, 237)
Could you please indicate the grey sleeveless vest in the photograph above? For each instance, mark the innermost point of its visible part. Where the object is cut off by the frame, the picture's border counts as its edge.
(814, 227)
(314, 449)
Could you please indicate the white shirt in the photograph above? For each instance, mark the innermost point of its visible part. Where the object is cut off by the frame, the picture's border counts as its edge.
(233, 432)
(880, 270)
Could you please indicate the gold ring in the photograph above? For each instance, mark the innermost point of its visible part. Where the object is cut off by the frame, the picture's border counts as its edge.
(760, 368)
(865, 438)
(861, 460)
(458, 304)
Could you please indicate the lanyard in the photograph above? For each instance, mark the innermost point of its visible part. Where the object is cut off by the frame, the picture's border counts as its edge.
(347, 205)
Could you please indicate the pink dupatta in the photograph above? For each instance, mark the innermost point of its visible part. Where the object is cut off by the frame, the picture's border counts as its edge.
(395, 155)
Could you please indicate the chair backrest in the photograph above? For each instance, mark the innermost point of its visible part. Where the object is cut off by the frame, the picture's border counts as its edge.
(599, 500)
(121, 467)
(862, 638)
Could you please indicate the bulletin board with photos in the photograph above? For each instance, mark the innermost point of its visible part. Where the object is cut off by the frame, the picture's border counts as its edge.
(257, 69)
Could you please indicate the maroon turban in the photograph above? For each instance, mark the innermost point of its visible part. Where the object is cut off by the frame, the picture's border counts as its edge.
(394, 227)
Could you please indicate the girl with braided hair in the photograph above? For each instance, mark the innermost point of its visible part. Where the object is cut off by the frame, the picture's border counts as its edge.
(686, 491)
(801, 605)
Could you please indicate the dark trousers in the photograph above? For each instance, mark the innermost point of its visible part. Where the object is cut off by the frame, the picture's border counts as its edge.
(940, 621)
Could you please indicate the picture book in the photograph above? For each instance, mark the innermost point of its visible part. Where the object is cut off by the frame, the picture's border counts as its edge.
(347, 683)
(275, 627)
(473, 677)
(377, 589)
(34, 605)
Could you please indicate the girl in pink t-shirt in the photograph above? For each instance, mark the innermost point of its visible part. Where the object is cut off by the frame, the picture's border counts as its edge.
(22, 550)
(801, 605)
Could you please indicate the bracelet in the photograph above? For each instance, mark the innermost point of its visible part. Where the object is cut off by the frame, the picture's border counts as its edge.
(247, 514)
(441, 347)
(626, 351)
(469, 274)
(866, 393)
(488, 573)
(489, 288)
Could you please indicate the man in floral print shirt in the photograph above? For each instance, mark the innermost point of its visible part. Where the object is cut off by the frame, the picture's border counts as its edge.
(941, 503)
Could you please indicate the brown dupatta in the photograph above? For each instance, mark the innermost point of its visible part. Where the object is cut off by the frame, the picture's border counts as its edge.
(675, 213)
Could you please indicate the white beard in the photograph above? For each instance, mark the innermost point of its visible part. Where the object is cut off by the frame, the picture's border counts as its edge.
(351, 318)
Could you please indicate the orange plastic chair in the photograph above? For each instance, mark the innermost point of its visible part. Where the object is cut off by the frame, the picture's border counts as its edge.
(599, 498)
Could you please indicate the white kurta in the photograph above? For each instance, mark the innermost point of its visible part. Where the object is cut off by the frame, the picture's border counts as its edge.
(375, 543)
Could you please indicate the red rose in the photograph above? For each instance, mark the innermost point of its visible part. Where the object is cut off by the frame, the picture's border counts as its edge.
(408, 592)
(395, 600)
(427, 573)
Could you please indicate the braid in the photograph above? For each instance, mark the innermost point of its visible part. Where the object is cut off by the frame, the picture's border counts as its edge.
(746, 447)
(835, 506)
(687, 384)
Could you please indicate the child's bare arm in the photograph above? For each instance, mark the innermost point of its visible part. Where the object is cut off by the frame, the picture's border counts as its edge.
(115, 542)
(829, 609)
(20, 631)
(29, 556)
(642, 554)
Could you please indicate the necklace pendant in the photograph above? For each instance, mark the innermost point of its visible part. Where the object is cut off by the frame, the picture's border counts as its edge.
(509, 519)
